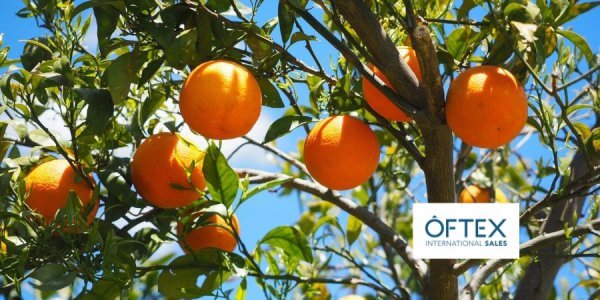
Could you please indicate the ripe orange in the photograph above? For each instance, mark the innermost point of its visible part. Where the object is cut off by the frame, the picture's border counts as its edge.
(486, 106)
(341, 152)
(215, 233)
(220, 100)
(159, 171)
(475, 194)
(377, 100)
(48, 185)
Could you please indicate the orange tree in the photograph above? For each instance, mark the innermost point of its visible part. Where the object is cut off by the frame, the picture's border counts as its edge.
(311, 58)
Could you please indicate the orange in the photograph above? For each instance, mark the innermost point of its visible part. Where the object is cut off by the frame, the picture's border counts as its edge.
(220, 100)
(341, 152)
(377, 100)
(475, 194)
(159, 171)
(214, 233)
(47, 189)
(486, 106)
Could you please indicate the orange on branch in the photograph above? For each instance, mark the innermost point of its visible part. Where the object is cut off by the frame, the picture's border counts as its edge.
(476, 194)
(341, 152)
(377, 100)
(161, 173)
(220, 100)
(214, 233)
(486, 106)
(48, 186)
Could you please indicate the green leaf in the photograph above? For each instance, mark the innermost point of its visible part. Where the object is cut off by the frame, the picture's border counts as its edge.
(524, 13)
(465, 7)
(100, 108)
(40, 137)
(592, 143)
(205, 39)
(107, 19)
(526, 31)
(285, 125)
(5, 86)
(241, 292)
(118, 4)
(219, 6)
(182, 50)
(286, 21)
(35, 52)
(221, 179)
(342, 97)
(574, 11)
(271, 97)
(301, 36)
(457, 41)
(150, 70)
(265, 186)
(120, 75)
(353, 229)
(260, 49)
(579, 42)
(291, 241)
(152, 103)
(52, 277)
(105, 288)
(3, 126)
(180, 281)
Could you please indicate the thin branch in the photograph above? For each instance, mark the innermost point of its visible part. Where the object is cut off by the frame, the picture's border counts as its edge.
(400, 136)
(457, 22)
(344, 281)
(526, 248)
(571, 190)
(387, 233)
(583, 76)
(287, 55)
(530, 247)
(298, 164)
(143, 218)
(471, 288)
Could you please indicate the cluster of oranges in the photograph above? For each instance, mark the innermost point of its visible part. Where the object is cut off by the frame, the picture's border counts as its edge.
(486, 107)
(219, 100)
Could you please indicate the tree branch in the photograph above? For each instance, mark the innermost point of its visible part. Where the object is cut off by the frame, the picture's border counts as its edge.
(401, 100)
(385, 55)
(527, 248)
(344, 281)
(387, 233)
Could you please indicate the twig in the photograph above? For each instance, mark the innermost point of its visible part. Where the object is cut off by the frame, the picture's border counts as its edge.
(298, 164)
(387, 233)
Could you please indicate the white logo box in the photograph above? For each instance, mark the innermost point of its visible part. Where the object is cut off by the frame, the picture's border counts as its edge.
(466, 230)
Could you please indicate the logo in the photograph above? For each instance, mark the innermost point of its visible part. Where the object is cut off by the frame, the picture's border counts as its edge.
(474, 230)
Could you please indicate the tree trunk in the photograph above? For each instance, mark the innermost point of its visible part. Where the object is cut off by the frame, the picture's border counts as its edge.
(427, 97)
(439, 174)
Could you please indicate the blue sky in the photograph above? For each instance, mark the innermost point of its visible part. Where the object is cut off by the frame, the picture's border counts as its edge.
(267, 210)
